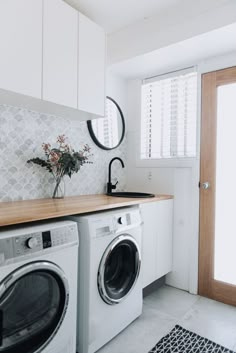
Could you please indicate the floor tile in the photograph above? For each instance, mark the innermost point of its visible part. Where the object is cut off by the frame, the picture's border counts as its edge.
(169, 306)
(142, 334)
(213, 320)
(171, 301)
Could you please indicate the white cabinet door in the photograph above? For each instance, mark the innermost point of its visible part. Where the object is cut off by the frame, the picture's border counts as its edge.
(164, 227)
(60, 50)
(149, 242)
(91, 76)
(157, 240)
(21, 46)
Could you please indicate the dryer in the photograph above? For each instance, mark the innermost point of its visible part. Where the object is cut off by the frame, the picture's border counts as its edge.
(110, 288)
(38, 288)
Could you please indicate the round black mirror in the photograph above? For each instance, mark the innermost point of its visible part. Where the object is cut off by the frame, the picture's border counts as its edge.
(108, 132)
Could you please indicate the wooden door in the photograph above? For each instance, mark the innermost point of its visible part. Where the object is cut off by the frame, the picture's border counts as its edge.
(217, 262)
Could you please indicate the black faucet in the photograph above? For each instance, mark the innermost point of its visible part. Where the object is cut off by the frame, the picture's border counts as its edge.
(111, 186)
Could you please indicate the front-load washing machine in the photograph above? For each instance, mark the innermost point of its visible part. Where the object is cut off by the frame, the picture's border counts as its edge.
(38, 288)
(110, 288)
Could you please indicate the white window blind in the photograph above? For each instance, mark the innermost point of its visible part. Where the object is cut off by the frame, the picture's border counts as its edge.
(169, 115)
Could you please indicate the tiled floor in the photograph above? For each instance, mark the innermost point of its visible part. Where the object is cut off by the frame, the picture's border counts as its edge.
(165, 308)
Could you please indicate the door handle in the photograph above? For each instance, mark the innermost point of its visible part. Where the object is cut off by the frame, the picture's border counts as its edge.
(205, 185)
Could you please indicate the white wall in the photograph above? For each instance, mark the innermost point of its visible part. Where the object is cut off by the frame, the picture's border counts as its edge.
(179, 180)
(116, 88)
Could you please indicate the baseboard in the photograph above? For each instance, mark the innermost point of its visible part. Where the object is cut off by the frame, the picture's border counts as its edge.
(154, 286)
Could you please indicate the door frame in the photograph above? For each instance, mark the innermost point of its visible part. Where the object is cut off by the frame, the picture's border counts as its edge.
(207, 286)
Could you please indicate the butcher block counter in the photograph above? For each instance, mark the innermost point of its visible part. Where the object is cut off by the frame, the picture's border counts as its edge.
(35, 210)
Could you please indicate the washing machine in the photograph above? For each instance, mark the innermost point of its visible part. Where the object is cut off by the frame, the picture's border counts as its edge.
(38, 288)
(110, 288)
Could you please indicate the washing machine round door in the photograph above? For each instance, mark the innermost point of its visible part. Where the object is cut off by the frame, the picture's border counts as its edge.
(119, 269)
(33, 302)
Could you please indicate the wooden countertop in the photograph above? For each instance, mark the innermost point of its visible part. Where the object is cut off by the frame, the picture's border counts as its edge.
(41, 209)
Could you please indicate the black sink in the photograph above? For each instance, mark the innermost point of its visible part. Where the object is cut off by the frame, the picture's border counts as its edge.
(130, 194)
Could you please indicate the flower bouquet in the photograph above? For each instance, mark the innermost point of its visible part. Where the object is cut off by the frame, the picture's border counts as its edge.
(62, 161)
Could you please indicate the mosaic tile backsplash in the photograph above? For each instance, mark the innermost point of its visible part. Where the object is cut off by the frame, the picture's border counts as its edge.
(22, 133)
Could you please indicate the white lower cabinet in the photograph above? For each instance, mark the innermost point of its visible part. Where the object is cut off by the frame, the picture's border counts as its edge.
(157, 240)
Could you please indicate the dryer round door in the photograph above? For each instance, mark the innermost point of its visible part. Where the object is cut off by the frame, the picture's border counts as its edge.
(119, 269)
(33, 303)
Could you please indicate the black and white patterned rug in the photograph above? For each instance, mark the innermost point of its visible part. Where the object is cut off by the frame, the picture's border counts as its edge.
(180, 340)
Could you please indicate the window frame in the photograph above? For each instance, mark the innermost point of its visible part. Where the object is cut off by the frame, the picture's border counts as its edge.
(172, 162)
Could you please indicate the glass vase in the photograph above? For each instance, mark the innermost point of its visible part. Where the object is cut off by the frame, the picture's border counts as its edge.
(59, 190)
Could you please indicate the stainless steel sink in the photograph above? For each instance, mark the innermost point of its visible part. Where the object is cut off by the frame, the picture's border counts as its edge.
(130, 194)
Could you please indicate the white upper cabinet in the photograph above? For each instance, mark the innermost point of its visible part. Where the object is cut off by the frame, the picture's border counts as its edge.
(91, 64)
(21, 46)
(51, 52)
(60, 48)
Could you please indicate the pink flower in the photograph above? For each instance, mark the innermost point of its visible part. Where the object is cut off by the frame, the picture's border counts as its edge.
(66, 148)
(87, 148)
(61, 139)
(54, 157)
(46, 147)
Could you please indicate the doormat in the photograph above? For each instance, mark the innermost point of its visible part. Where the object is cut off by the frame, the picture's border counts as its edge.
(180, 340)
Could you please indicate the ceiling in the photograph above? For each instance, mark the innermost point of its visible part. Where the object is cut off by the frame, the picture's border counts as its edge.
(114, 15)
(186, 53)
(123, 17)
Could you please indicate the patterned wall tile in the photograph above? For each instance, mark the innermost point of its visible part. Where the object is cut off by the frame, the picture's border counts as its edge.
(22, 133)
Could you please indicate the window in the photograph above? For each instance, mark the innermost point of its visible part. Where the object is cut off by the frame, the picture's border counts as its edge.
(168, 116)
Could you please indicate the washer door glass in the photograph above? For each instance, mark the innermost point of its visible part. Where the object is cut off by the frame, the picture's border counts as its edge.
(33, 301)
(119, 269)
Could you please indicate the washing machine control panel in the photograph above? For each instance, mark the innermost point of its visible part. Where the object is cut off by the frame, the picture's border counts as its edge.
(27, 243)
(127, 219)
(122, 220)
(36, 242)
(47, 239)
(31, 243)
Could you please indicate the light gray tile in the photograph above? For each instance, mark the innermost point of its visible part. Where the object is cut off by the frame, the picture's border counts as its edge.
(142, 334)
(171, 301)
(213, 320)
(208, 318)
(22, 134)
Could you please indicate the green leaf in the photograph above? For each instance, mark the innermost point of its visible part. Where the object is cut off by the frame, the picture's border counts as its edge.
(41, 162)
